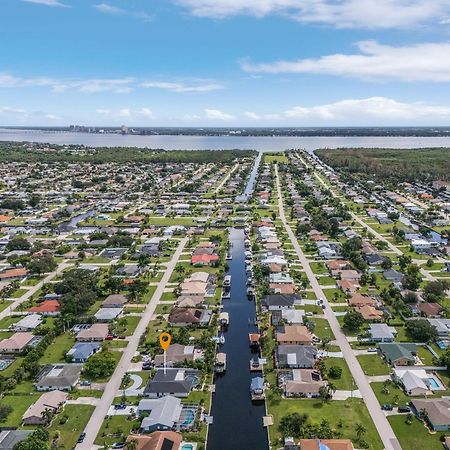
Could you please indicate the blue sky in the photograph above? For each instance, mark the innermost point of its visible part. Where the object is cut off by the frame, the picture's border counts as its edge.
(225, 62)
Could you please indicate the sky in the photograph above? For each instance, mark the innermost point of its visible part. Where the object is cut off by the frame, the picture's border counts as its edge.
(262, 63)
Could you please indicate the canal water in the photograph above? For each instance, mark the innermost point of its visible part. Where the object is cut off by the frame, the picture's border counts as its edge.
(237, 421)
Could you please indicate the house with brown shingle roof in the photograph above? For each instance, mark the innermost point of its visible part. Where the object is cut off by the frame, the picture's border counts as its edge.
(52, 401)
(293, 334)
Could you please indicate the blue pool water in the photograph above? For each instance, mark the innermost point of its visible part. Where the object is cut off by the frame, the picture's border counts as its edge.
(433, 383)
(187, 447)
(189, 418)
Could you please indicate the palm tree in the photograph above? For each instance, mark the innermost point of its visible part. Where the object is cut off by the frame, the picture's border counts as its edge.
(125, 381)
(47, 415)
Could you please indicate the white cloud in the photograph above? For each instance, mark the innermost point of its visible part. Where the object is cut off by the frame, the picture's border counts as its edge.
(106, 8)
(252, 115)
(25, 116)
(215, 114)
(256, 116)
(182, 87)
(48, 3)
(338, 13)
(126, 113)
(9, 110)
(371, 110)
(420, 62)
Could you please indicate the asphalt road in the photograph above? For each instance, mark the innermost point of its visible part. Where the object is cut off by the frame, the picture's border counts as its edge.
(109, 394)
(385, 431)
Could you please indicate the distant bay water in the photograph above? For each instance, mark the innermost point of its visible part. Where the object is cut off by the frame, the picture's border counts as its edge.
(261, 143)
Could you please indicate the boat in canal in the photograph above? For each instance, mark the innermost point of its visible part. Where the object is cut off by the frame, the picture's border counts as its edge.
(224, 319)
(257, 389)
(220, 364)
(253, 339)
(227, 281)
(250, 293)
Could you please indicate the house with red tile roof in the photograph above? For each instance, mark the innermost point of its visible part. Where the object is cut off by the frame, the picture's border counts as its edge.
(47, 308)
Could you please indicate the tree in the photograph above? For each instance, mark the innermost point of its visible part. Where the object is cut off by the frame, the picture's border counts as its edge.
(42, 264)
(100, 365)
(434, 291)
(323, 393)
(412, 277)
(353, 320)
(404, 261)
(421, 330)
(335, 372)
(38, 440)
(131, 444)
(5, 411)
(18, 243)
(293, 424)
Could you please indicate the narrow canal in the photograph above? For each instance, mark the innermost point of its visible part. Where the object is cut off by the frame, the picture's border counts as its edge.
(237, 421)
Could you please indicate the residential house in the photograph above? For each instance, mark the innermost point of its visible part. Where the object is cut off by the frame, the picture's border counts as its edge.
(115, 301)
(380, 332)
(305, 383)
(9, 438)
(289, 316)
(16, 343)
(296, 356)
(276, 302)
(370, 313)
(96, 332)
(326, 444)
(438, 412)
(177, 354)
(293, 334)
(81, 351)
(160, 413)
(50, 401)
(398, 354)
(182, 317)
(47, 308)
(414, 382)
(62, 377)
(158, 440)
(107, 314)
(28, 323)
(178, 382)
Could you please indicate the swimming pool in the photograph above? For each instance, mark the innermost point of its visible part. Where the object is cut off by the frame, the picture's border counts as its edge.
(187, 447)
(433, 383)
(188, 418)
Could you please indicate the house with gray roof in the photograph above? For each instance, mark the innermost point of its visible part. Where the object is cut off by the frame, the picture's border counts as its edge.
(9, 438)
(62, 377)
(107, 314)
(398, 354)
(161, 413)
(172, 381)
(296, 356)
(380, 332)
(438, 412)
(28, 323)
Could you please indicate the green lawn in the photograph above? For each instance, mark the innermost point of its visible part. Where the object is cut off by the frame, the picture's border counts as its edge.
(373, 365)
(4, 304)
(395, 396)
(78, 417)
(348, 413)
(18, 293)
(55, 352)
(323, 329)
(414, 436)
(115, 429)
(20, 404)
(346, 381)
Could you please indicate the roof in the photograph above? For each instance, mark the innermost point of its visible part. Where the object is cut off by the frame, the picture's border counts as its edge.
(296, 355)
(189, 315)
(293, 333)
(50, 399)
(31, 321)
(17, 341)
(280, 300)
(60, 375)
(47, 306)
(82, 350)
(395, 350)
(326, 444)
(412, 379)
(438, 409)
(95, 331)
(13, 273)
(9, 438)
(115, 299)
(382, 331)
(429, 309)
(158, 440)
(107, 313)
(162, 411)
(172, 380)
(203, 258)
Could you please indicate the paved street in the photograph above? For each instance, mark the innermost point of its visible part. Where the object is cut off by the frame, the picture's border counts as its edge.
(30, 292)
(384, 428)
(113, 385)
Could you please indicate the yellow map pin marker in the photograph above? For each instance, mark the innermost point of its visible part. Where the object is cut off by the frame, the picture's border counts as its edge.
(164, 340)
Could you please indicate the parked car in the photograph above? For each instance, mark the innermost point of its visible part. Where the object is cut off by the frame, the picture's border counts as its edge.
(387, 407)
(85, 383)
(404, 409)
(120, 406)
(118, 445)
(81, 438)
(110, 337)
(372, 349)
